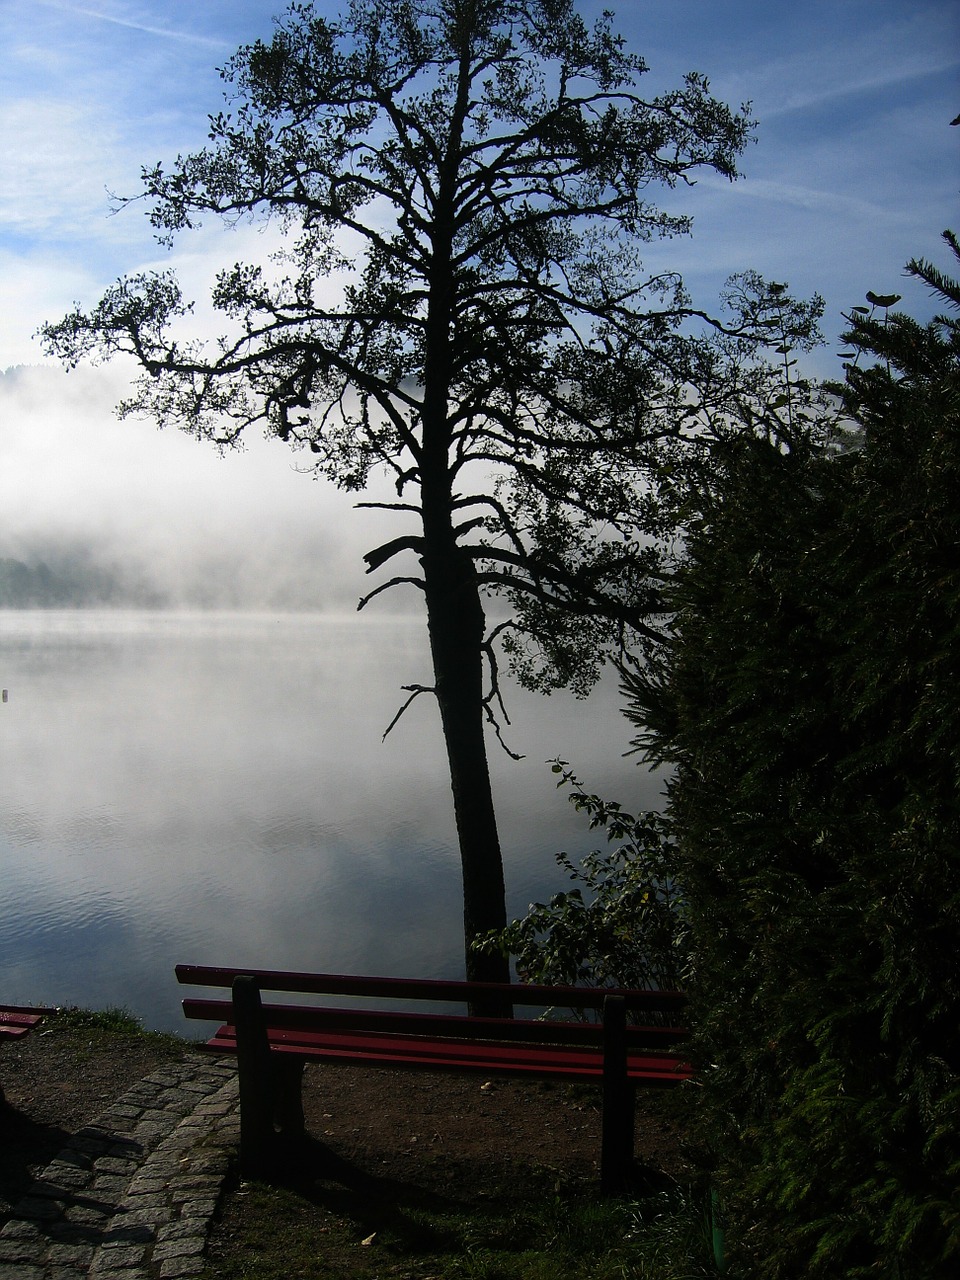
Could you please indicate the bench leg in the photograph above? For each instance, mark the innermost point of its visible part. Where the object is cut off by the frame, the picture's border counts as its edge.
(255, 1069)
(616, 1153)
(288, 1093)
(616, 1157)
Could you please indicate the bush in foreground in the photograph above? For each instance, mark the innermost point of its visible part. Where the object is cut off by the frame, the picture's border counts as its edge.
(807, 699)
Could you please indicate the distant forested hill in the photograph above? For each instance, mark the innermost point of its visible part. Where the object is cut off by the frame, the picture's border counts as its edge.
(69, 585)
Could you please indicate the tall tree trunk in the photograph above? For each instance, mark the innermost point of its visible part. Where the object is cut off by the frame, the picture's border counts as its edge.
(456, 626)
(454, 610)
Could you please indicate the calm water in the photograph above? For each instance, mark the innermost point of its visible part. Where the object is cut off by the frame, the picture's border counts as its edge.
(214, 789)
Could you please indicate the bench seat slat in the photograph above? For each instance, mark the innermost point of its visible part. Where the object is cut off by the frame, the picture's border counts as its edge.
(15, 1030)
(579, 1073)
(467, 1055)
(17, 1020)
(479, 1051)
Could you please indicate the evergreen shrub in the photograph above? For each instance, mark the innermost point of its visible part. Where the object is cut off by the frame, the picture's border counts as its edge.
(807, 698)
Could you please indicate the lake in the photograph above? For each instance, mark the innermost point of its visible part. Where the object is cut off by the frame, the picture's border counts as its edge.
(213, 788)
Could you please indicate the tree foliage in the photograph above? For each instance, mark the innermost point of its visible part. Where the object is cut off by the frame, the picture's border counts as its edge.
(622, 924)
(494, 161)
(807, 698)
(462, 190)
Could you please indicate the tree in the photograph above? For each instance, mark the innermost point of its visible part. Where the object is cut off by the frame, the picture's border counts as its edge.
(497, 346)
(806, 696)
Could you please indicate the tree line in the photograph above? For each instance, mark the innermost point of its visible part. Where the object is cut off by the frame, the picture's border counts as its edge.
(69, 583)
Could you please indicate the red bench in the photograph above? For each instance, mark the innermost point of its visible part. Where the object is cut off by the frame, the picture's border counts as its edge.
(18, 1020)
(273, 1041)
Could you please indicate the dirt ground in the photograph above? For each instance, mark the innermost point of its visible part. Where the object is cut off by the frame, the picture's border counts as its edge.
(441, 1128)
(393, 1133)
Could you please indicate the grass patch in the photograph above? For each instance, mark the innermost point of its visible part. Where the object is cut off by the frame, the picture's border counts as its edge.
(114, 1021)
(119, 1021)
(284, 1234)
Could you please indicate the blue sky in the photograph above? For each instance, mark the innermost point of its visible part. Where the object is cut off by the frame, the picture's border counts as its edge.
(855, 170)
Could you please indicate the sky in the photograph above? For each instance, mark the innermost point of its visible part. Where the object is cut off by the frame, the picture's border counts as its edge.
(854, 170)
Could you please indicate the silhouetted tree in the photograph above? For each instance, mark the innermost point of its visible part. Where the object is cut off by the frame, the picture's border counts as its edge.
(465, 188)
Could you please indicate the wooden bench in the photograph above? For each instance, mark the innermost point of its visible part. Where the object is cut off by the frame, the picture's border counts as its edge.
(273, 1041)
(18, 1020)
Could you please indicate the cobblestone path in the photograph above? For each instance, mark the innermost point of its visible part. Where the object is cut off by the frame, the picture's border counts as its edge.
(131, 1196)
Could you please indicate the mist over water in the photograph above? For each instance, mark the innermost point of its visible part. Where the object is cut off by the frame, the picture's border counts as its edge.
(164, 520)
(213, 788)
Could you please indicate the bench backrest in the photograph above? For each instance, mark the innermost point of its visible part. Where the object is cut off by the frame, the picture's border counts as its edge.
(531, 1030)
(440, 989)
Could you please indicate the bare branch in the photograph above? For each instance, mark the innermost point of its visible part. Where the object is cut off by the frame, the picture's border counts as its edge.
(387, 506)
(414, 690)
(380, 555)
(386, 586)
(494, 695)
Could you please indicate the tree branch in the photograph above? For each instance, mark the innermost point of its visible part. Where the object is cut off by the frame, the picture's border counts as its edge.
(414, 690)
(380, 555)
(386, 586)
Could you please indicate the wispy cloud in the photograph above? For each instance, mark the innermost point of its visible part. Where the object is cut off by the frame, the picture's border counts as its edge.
(55, 175)
(821, 66)
(801, 196)
(889, 79)
(131, 24)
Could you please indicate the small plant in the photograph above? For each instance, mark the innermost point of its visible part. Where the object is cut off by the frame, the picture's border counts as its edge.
(670, 1237)
(113, 1021)
(117, 1020)
(622, 925)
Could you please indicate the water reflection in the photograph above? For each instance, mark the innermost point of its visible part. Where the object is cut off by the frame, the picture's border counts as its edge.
(214, 789)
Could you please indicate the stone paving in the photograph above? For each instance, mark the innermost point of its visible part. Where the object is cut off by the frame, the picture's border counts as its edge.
(132, 1195)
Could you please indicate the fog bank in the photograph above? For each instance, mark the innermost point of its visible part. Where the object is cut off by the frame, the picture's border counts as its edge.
(164, 518)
